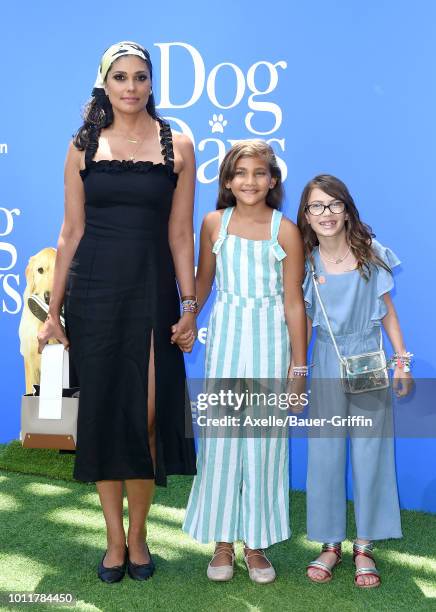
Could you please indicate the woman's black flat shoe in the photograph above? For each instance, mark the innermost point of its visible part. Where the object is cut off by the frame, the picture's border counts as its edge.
(112, 574)
(142, 571)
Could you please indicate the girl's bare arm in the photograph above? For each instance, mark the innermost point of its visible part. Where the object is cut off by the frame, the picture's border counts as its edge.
(293, 275)
(392, 326)
(403, 381)
(207, 260)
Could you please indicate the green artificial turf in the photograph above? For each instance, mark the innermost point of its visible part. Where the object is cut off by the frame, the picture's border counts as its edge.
(35, 461)
(52, 537)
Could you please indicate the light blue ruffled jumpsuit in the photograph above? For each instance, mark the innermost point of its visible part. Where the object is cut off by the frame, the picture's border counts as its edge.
(355, 308)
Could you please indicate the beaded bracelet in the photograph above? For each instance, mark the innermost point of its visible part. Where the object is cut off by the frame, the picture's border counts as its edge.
(300, 370)
(403, 361)
(189, 305)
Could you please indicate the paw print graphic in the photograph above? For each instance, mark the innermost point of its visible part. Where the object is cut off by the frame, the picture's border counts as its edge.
(217, 123)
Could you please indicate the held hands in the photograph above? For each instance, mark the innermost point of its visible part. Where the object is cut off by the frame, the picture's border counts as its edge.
(184, 332)
(52, 328)
(402, 382)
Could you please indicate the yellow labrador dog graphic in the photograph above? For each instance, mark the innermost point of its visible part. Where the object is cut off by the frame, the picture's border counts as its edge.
(39, 281)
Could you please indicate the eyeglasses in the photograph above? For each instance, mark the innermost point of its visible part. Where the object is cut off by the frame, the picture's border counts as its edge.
(317, 208)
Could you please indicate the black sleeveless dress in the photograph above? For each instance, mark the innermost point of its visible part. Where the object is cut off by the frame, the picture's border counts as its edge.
(121, 291)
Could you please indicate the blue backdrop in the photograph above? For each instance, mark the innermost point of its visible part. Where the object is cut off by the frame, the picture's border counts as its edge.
(341, 87)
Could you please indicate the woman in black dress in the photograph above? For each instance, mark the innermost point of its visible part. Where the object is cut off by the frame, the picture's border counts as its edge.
(126, 239)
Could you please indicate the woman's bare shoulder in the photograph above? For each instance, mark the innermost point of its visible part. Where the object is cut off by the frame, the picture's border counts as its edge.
(182, 140)
(183, 152)
(75, 158)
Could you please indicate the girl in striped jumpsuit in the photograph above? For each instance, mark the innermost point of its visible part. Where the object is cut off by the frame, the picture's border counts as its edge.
(241, 491)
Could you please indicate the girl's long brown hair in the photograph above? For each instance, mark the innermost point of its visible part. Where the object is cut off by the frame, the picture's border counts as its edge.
(249, 148)
(359, 234)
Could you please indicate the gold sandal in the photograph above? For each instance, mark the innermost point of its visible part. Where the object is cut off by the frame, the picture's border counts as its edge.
(334, 547)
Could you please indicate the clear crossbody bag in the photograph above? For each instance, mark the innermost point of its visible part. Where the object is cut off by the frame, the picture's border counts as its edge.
(359, 373)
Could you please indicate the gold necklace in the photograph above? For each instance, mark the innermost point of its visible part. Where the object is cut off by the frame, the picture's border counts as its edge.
(132, 156)
(136, 141)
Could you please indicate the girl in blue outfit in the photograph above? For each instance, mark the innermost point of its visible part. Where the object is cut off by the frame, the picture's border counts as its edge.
(354, 278)
(241, 491)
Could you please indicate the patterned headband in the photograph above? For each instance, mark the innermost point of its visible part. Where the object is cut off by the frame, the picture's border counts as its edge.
(114, 52)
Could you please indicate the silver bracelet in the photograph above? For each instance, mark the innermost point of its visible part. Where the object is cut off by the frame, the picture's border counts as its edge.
(300, 370)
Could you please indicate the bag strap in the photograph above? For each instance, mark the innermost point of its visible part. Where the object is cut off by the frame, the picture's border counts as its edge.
(341, 359)
(54, 377)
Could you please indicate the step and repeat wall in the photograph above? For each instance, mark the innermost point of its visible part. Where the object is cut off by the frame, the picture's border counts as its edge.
(346, 88)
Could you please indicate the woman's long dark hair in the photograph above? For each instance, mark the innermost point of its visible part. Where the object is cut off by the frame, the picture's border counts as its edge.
(98, 114)
(359, 234)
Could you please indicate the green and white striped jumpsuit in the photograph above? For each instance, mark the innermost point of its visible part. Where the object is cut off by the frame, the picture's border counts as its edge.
(241, 491)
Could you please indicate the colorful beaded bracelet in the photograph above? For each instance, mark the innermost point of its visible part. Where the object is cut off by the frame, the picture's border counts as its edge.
(403, 362)
(190, 306)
